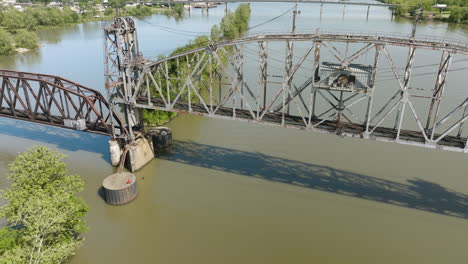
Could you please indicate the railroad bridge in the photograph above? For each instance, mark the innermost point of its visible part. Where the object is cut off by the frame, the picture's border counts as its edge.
(317, 81)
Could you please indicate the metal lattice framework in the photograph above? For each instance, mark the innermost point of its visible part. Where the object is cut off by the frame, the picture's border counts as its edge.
(52, 100)
(212, 81)
(122, 66)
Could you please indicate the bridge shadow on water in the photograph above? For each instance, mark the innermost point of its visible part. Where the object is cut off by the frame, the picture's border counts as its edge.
(416, 193)
(66, 139)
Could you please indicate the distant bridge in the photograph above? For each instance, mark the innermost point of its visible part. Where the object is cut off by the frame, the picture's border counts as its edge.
(272, 1)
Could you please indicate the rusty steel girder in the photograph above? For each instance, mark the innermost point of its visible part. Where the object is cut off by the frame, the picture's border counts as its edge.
(334, 96)
(52, 100)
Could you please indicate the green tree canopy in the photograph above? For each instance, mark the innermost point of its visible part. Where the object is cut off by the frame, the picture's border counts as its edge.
(42, 208)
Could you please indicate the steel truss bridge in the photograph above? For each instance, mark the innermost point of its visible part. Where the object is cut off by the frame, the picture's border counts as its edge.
(316, 81)
(52, 100)
(336, 94)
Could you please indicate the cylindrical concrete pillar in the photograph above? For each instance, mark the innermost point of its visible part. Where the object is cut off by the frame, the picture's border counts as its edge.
(161, 137)
(115, 152)
(120, 188)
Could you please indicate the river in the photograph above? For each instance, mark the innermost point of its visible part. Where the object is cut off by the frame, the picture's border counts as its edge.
(234, 192)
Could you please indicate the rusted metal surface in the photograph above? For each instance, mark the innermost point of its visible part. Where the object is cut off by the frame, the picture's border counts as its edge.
(317, 103)
(52, 100)
(122, 60)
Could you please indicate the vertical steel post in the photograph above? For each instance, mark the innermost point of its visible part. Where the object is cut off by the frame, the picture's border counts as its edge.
(404, 92)
(417, 14)
(294, 19)
(189, 95)
(168, 92)
(370, 90)
(439, 88)
(316, 75)
(263, 74)
(287, 80)
(321, 11)
(290, 56)
(241, 76)
(211, 83)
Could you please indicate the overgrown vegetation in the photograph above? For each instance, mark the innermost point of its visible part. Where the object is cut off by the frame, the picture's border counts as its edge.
(232, 26)
(456, 12)
(14, 23)
(139, 10)
(18, 27)
(6, 43)
(26, 39)
(43, 212)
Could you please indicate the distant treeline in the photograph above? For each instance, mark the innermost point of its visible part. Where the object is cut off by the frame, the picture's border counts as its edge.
(456, 11)
(17, 27)
(232, 26)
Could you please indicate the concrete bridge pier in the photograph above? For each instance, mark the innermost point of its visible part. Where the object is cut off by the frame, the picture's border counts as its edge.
(135, 154)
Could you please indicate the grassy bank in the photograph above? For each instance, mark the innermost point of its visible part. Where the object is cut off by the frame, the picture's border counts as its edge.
(456, 11)
(232, 26)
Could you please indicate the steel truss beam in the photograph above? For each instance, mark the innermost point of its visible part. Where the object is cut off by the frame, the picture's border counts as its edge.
(52, 100)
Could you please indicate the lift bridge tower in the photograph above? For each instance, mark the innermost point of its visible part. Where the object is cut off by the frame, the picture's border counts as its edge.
(123, 66)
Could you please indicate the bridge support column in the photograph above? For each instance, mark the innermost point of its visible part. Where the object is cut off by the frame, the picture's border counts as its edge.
(140, 152)
(115, 152)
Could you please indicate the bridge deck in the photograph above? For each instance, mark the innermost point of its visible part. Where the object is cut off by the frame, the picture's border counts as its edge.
(345, 129)
(52, 120)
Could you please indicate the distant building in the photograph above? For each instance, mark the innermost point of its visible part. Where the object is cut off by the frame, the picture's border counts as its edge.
(8, 2)
(55, 4)
(441, 6)
(19, 8)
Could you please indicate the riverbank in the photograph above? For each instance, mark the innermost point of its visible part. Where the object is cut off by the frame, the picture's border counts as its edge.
(454, 12)
(18, 28)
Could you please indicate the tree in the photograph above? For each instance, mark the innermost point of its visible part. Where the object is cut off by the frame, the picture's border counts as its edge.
(6, 46)
(26, 39)
(117, 3)
(178, 9)
(216, 33)
(43, 208)
(456, 15)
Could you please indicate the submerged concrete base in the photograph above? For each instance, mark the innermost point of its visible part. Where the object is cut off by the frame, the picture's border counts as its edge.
(140, 152)
(160, 136)
(120, 188)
